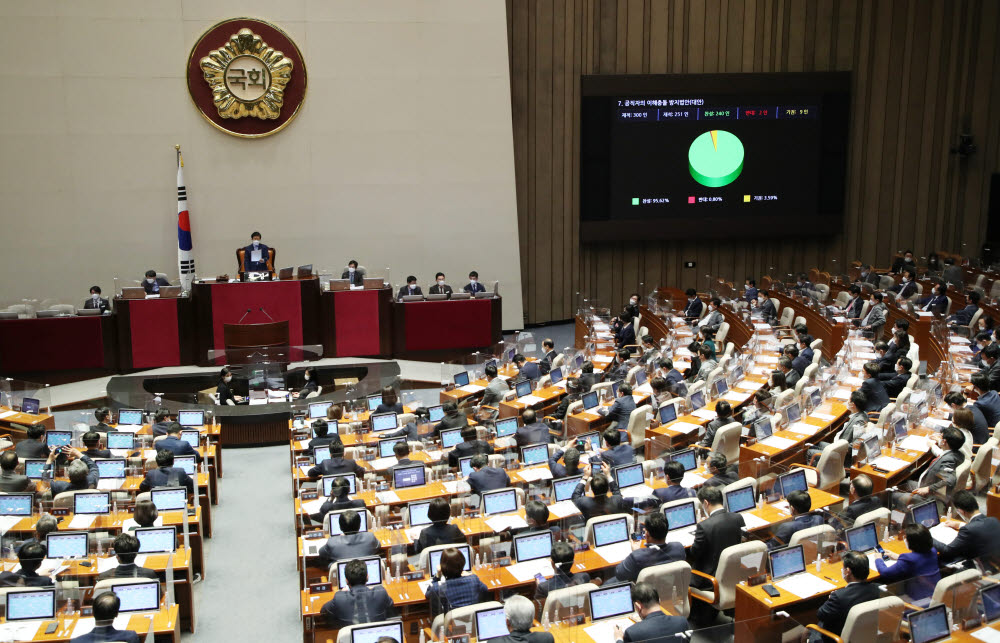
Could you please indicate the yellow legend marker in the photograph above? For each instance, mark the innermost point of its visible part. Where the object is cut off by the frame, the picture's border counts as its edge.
(715, 139)
(746, 198)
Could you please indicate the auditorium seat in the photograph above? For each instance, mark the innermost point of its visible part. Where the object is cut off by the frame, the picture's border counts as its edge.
(667, 578)
(871, 622)
(560, 603)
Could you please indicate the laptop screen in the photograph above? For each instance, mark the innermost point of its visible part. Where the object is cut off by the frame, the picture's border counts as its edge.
(687, 457)
(926, 514)
(334, 521)
(579, 361)
(386, 446)
(640, 377)
(506, 427)
(899, 427)
(534, 454)
(500, 501)
(31, 605)
(138, 597)
(436, 413)
(373, 633)
(793, 412)
(130, 417)
(680, 516)
(374, 401)
(320, 454)
(697, 400)
(70, 544)
(403, 477)
(863, 538)
(737, 374)
(169, 498)
(465, 466)
(186, 463)
(156, 539)
(374, 565)
(991, 602)
(741, 499)
(384, 422)
(191, 437)
(629, 475)
(417, 512)
(610, 532)
(92, 503)
(929, 625)
(793, 481)
(608, 602)
(121, 440)
(317, 410)
(15, 504)
(33, 469)
(668, 413)
(451, 437)
(816, 397)
(111, 468)
(462, 379)
(563, 488)
(522, 388)
(491, 624)
(614, 388)
(721, 386)
(762, 428)
(191, 418)
(556, 375)
(589, 400)
(872, 447)
(787, 561)
(533, 546)
(434, 558)
(593, 437)
(58, 438)
(29, 405)
(332, 428)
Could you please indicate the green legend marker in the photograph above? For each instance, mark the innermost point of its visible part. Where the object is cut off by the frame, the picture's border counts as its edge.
(635, 200)
(715, 158)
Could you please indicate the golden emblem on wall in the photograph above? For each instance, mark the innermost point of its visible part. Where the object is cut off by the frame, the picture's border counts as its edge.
(247, 77)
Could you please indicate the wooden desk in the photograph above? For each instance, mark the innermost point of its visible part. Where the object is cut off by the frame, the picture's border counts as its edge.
(25, 419)
(775, 457)
(357, 323)
(820, 327)
(166, 626)
(442, 329)
(58, 344)
(170, 324)
(550, 397)
(882, 480)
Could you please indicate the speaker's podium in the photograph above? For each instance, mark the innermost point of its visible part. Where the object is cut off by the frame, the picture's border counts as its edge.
(256, 335)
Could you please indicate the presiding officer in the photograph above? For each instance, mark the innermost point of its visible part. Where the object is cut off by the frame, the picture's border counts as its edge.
(249, 265)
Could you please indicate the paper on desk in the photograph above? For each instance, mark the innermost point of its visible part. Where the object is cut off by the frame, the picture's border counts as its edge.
(131, 428)
(692, 479)
(530, 400)
(510, 521)
(761, 326)
(866, 355)
(313, 506)
(753, 521)
(684, 352)
(943, 533)
(841, 393)
(471, 388)
(561, 383)
(381, 464)
(805, 585)
(413, 533)
(19, 631)
(304, 469)
(767, 359)
(915, 443)
(803, 428)
(733, 396)
(924, 313)
(959, 348)
(683, 427)
(852, 381)
(434, 456)
(423, 585)
(83, 626)
(455, 486)
(563, 509)
(777, 442)
(682, 365)
(749, 385)
(7, 414)
(615, 553)
(683, 536)
(705, 414)
(387, 496)
(601, 359)
(889, 463)
(81, 521)
(941, 424)
(536, 473)
(110, 483)
(525, 571)
(106, 564)
(8, 522)
(645, 389)
(987, 634)
(840, 319)
(825, 417)
(637, 491)
(601, 326)
(605, 630)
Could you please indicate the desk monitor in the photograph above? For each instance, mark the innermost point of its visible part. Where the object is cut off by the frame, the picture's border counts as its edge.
(629, 475)
(31, 604)
(609, 602)
(640, 377)
(578, 361)
(534, 454)
(793, 481)
(284, 274)
(317, 410)
(191, 418)
(436, 412)
(408, 476)
(321, 454)
(563, 488)
(499, 501)
(192, 437)
(375, 633)
(340, 284)
(899, 427)
(522, 388)
(926, 514)
(532, 546)
(130, 417)
(138, 597)
(374, 401)
(416, 513)
(863, 538)
(434, 558)
(33, 468)
(374, 565)
(506, 427)
(383, 422)
(872, 448)
(386, 446)
(793, 412)
(121, 440)
(332, 519)
(187, 463)
(556, 375)
(591, 436)
(66, 544)
(133, 292)
(614, 388)
(721, 387)
(462, 378)
(740, 499)
(167, 292)
(786, 561)
(113, 468)
(29, 405)
(762, 428)
(332, 428)
(465, 466)
(328, 482)
(305, 272)
(16, 504)
(991, 602)
(681, 516)
(589, 400)
(816, 397)
(169, 498)
(687, 457)
(737, 374)
(490, 624)
(681, 389)
(697, 400)
(609, 532)
(929, 625)
(450, 438)
(154, 540)
(668, 413)
(58, 438)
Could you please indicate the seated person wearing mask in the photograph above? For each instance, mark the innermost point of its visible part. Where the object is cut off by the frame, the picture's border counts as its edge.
(152, 283)
(474, 286)
(106, 607)
(360, 603)
(96, 301)
(411, 288)
(440, 287)
(352, 273)
(256, 256)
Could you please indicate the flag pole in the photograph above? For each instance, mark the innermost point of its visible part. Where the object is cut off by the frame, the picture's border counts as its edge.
(185, 246)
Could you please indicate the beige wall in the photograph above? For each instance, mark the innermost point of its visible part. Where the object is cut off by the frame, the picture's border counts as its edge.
(401, 156)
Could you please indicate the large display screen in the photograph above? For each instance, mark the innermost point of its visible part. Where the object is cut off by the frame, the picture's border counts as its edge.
(713, 155)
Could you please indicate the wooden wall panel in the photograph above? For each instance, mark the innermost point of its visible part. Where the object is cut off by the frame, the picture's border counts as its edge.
(923, 71)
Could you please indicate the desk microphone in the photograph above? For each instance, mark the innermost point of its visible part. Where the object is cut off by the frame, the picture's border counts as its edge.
(261, 309)
(244, 316)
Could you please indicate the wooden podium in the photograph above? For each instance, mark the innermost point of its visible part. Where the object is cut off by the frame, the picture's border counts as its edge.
(255, 335)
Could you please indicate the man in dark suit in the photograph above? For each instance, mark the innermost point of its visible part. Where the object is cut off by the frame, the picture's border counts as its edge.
(11, 482)
(574, 393)
(486, 478)
(256, 248)
(988, 401)
(92, 441)
(940, 473)
(602, 504)
(656, 552)
(615, 453)
(126, 549)
(952, 274)
(587, 377)
(527, 370)
(785, 366)
(161, 420)
(977, 534)
(674, 474)
(896, 381)
(750, 290)
(656, 625)
(869, 276)
(873, 388)
(175, 444)
(495, 389)
(152, 283)
(106, 606)
(411, 288)
(620, 411)
(520, 614)
(440, 531)
(991, 365)
(956, 400)
(96, 301)
(468, 446)
(30, 556)
(533, 432)
(360, 603)
(692, 309)
(905, 262)
(937, 302)
(323, 437)
(832, 614)
(721, 529)
(81, 471)
(854, 306)
(103, 416)
(626, 336)
(799, 362)
(964, 316)
(401, 450)
(800, 504)
(766, 306)
(166, 475)
(570, 465)
(34, 445)
(724, 411)
(719, 470)
(906, 288)
(339, 500)
(473, 286)
(549, 347)
(356, 277)
(440, 287)
(453, 419)
(861, 500)
(335, 464)
(351, 543)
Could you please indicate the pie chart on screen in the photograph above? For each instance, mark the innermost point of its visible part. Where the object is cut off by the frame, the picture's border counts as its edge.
(715, 158)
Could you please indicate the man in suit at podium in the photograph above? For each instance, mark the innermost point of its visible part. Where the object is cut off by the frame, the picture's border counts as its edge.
(352, 273)
(96, 301)
(440, 288)
(474, 286)
(152, 283)
(411, 288)
(255, 255)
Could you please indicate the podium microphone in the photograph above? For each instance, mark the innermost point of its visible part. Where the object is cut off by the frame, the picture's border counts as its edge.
(261, 309)
(244, 316)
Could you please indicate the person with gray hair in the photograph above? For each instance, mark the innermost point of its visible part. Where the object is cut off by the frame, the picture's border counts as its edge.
(45, 526)
(520, 614)
(81, 471)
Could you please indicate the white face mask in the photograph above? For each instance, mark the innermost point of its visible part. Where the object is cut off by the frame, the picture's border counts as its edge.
(150, 280)
(761, 299)
(228, 378)
(256, 243)
(350, 270)
(412, 286)
(633, 301)
(94, 296)
(440, 282)
(746, 287)
(307, 377)
(905, 280)
(472, 280)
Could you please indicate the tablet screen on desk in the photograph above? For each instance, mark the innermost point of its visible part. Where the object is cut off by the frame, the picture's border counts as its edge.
(15, 504)
(609, 532)
(328, 482)
(680, 516)
(169, 498)
(58, 438)
(629, 475)
(332, 520)
(156, 539)
(929, 625)
(434, 558)
(593, 437)
(191, 418)
(863, 538)
(436, 413)
(465, 466)
(450, 438)
(533, 546)
(762, 428)
(374, 565)
(668, 413)
(317, 410)
(522, 388)
(33, 468)
(29, 405)
(563, 488)
(926, 514)
(738, 500)
(386, 446)
(138, 597)
(191, 437)
(491, 624)
(411, 476)
(793, 481)
(31, 604)
(374, 401)
(787, 561)
(609, 602)
(721, 386)
(500, 501)
(130, 417)
(687, 457)
(92, 503)
(640, 377)
(321, 454)
(373, 633)
(506, 427)
(384, 422)
(556, 375)
(589, 400)
(462, 379)
(186, 463)
(991, 602)
(534, 454)
(793, 412)
(697, 400)
(417, 513)
(121, 440)
(66, 545)
(110, 468)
